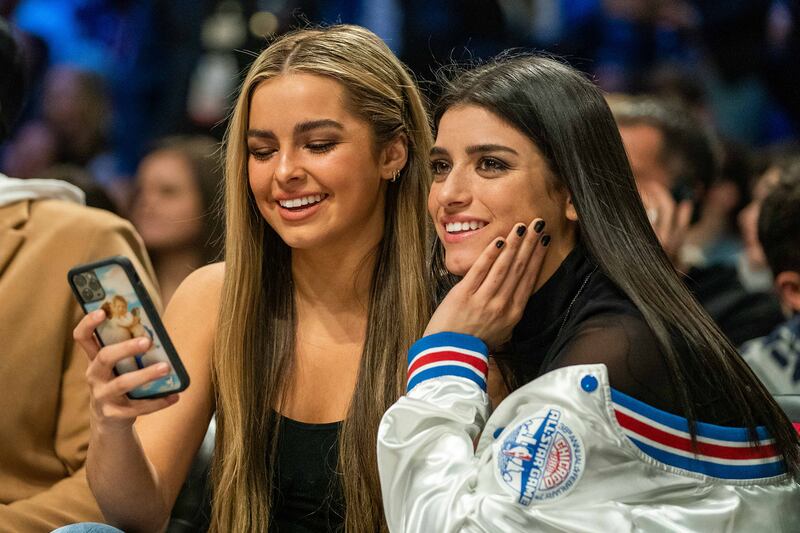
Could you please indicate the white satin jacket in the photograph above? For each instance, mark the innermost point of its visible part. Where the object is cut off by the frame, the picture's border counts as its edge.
(565, 452)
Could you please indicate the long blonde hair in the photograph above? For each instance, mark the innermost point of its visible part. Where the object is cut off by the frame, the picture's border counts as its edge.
(254, 346)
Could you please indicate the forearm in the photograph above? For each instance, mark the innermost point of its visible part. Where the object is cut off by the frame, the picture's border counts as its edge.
(124, 482)
(425, 442)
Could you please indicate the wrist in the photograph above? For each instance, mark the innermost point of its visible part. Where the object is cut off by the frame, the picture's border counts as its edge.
(105, 428)
(448, 354)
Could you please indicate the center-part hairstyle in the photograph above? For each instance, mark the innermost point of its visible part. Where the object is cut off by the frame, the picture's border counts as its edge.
(566, 117)
(256, 332)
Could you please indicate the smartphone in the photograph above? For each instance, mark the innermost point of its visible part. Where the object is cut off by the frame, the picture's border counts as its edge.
(113, 285)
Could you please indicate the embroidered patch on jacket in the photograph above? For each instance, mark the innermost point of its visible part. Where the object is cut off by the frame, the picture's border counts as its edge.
(542, 459)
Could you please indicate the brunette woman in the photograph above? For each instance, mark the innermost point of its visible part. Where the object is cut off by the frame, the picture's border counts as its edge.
(628, 409)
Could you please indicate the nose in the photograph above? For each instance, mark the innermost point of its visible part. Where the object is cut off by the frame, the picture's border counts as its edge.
(454, 191)
(288, 169)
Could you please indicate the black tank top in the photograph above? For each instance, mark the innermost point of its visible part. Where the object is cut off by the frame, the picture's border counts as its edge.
(308, 492)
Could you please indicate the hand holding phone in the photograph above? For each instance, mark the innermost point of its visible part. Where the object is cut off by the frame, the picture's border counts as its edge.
(132, 339)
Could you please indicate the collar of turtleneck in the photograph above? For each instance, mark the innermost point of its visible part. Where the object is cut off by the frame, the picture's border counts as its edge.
(547, 308)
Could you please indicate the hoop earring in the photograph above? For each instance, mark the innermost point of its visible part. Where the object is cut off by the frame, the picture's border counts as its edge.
(395, 175)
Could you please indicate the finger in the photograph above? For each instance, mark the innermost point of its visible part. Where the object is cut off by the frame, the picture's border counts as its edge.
(477, 272)
(524, 288)
(84, 333)
(112, 354)
(499, 271)
(136, 408)
(129, 381)
(520, 263)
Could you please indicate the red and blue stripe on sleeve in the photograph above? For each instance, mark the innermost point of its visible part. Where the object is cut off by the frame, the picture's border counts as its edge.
(448, 354)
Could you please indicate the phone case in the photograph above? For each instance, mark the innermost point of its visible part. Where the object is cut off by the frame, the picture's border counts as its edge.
(114, 285)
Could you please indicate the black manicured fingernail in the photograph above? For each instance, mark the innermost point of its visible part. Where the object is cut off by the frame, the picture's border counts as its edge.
(539, 226)
(499, 244)
(521, 230)
(545, 240)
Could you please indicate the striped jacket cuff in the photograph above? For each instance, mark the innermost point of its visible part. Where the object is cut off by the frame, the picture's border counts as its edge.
(448, 354)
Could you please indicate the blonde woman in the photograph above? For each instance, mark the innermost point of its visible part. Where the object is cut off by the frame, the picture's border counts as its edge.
(298, 344)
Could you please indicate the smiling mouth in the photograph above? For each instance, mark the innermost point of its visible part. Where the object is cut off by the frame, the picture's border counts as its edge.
(298, 204)
(455, 228)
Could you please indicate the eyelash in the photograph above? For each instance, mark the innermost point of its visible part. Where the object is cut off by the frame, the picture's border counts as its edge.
(496, 165)
(314, 148)
(321, 148)
(261, 156)
(486, 164)
(436, 167)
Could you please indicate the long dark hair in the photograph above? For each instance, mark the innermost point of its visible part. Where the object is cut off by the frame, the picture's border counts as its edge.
(567, 118)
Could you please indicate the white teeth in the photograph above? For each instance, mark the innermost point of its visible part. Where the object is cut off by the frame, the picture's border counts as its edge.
(298, 202)
(455, 227)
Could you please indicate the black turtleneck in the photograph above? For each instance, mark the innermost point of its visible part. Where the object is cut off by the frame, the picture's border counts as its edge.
(580, 317)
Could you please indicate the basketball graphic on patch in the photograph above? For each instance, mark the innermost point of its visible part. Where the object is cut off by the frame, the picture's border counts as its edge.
(541, 459)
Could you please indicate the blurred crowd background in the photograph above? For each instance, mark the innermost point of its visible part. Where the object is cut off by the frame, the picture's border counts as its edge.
(129, 97)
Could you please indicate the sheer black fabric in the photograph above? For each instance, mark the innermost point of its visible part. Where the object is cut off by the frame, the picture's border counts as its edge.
(580, 317)
(307, 490)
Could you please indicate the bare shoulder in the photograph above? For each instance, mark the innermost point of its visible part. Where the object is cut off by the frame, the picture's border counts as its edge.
(203, 286)
(194, 307)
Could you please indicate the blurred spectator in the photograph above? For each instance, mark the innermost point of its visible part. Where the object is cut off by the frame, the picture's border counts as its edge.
(753, 269)
(666, 144)
(76, 107)
(670, 151)
(775, 358)
(174, 208)
(44, 422)
(96, 196)
(144, 51)
(33, 149)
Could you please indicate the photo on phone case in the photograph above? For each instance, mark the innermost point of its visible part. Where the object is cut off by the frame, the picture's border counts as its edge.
(126, 319)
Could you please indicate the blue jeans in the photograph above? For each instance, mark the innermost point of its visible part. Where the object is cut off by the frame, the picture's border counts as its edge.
(87, 527)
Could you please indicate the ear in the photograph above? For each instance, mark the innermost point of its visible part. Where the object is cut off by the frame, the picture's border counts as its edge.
(788, 286)
(393, 156)
(569, 209)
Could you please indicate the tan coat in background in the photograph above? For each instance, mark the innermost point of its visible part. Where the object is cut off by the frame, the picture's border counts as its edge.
(44, 400)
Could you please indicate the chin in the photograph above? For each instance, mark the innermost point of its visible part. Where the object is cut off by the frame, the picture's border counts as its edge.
(303, 238)
(458, 264)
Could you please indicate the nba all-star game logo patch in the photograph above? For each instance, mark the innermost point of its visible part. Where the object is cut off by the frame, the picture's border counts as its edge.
(542, 459)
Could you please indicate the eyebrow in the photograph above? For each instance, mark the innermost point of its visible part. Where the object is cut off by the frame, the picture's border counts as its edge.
(299, 129)
(304, 127)
(479, 148)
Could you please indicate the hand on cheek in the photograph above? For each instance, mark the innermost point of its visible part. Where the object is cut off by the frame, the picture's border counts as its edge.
(488, 302)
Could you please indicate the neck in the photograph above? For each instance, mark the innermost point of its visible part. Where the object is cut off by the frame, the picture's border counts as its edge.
(172, 266)
(335, 278)
(559, 250)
